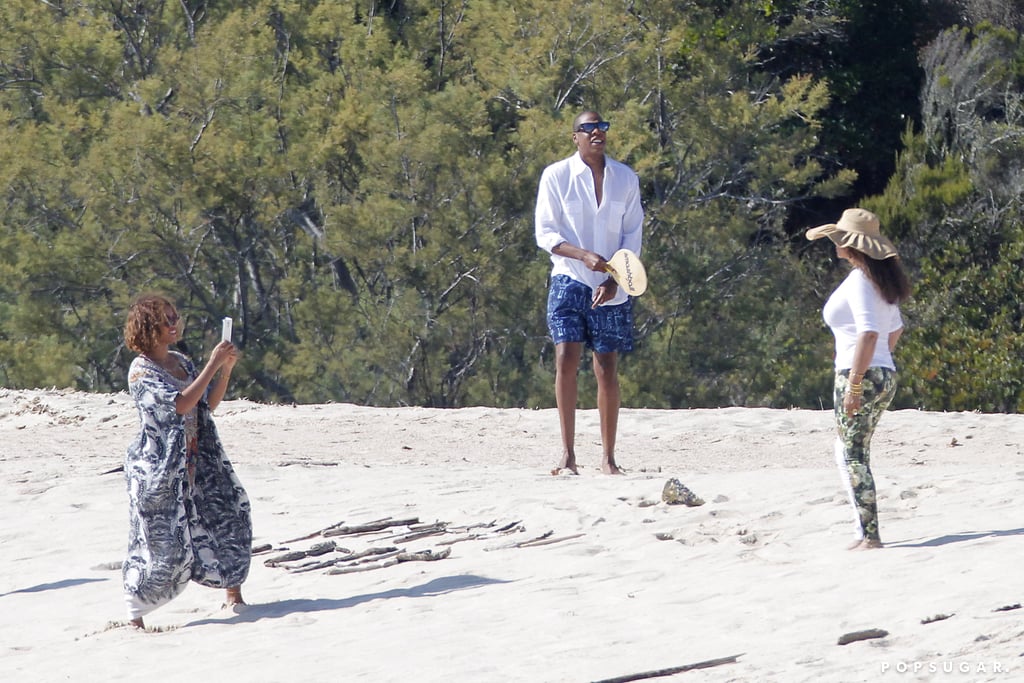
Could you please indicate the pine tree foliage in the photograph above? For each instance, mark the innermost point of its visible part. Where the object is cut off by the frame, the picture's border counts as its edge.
(956, 202)
(353, 182)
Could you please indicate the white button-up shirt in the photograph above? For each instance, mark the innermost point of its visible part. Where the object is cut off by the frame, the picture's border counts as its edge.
(567, 211)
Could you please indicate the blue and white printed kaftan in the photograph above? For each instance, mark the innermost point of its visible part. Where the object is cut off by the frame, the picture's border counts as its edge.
(181, 529)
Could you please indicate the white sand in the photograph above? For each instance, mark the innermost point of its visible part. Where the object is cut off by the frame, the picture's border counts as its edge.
(760, 570)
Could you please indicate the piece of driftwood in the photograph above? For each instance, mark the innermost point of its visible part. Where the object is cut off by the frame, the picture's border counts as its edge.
(1007, 608)
(516, 544)
(321, 548)
(867, 634)
(353, 560)
(936, 617)
(400, 556)
(291, 556)
(547, 541)
(385, 550)
(318, 532)
(312, 566)
(424, 556)
(415, 536)
(503, 531)
(265, 547)
(546, 538)
(363, 567)
(478, 525)
(671, 671)
(372, 526)
(337, 525)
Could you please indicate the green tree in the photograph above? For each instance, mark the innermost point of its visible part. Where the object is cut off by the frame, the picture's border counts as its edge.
(955, 204)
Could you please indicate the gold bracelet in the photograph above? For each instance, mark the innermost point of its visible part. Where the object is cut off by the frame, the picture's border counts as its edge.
(855, 389)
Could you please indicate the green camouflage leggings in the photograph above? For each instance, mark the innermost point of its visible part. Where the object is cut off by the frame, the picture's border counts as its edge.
(855, 441)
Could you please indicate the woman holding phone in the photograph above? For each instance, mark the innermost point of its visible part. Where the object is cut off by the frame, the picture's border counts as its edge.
(189, 514)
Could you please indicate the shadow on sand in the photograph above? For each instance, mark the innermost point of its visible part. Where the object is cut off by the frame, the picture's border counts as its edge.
(957, 538)
(66, 583)
(283, 608)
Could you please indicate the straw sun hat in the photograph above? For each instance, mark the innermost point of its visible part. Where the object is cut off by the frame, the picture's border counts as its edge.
(856, 229)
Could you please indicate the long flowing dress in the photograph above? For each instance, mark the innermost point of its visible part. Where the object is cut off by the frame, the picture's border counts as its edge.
(189, 517)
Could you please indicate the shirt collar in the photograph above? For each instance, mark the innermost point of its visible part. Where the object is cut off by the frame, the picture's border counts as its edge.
(579, 167)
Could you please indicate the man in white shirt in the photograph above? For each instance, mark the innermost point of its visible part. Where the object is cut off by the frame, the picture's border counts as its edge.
(588, 207)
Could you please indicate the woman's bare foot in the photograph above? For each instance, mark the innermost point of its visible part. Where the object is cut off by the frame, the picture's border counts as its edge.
(867, 544)
(233, 597)
(137, 623)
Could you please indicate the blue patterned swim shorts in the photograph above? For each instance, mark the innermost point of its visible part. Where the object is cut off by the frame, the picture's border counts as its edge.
(571, 318)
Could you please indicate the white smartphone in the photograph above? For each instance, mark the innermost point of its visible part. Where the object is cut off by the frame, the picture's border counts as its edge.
(225, 330)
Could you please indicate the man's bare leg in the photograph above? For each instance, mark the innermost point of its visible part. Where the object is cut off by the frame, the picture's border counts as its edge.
(606, 370)
(233, 596)
(567, 364)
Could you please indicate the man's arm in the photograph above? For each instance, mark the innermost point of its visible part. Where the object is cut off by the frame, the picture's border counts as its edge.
(547, 215)
(590, 259)
(633, 218)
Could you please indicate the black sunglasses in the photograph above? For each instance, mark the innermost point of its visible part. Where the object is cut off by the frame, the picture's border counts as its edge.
(591, 126)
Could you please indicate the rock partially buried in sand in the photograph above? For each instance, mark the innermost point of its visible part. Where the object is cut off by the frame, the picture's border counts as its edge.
(675, 493)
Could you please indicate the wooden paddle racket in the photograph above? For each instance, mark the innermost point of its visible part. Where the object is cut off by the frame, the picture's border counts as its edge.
(626, 269)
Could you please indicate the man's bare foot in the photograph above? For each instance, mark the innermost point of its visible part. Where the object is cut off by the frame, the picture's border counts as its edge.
(611, 468)
(568, 463)
(233, 597)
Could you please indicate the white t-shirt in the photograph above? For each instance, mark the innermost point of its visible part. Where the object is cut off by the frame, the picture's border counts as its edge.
(567, 211)
(856, 307)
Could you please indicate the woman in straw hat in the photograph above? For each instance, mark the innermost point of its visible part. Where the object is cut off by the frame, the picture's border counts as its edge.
(864, 316)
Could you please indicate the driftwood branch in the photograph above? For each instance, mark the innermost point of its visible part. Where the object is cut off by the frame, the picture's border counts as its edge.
(372, 526)
(544, 539)
(867, 634)
(547, 541)
(671, 671)
(937, 617)
(315, 550)
(422, 556)
(363, 567)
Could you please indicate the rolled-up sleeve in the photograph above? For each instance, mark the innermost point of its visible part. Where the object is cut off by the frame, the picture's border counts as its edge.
(633, 218)
(548, 214)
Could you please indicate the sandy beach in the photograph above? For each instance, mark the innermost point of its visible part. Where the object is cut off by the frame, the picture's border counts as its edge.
(512, 574)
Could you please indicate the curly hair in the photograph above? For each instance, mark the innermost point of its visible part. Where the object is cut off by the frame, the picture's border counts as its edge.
(147, 315)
